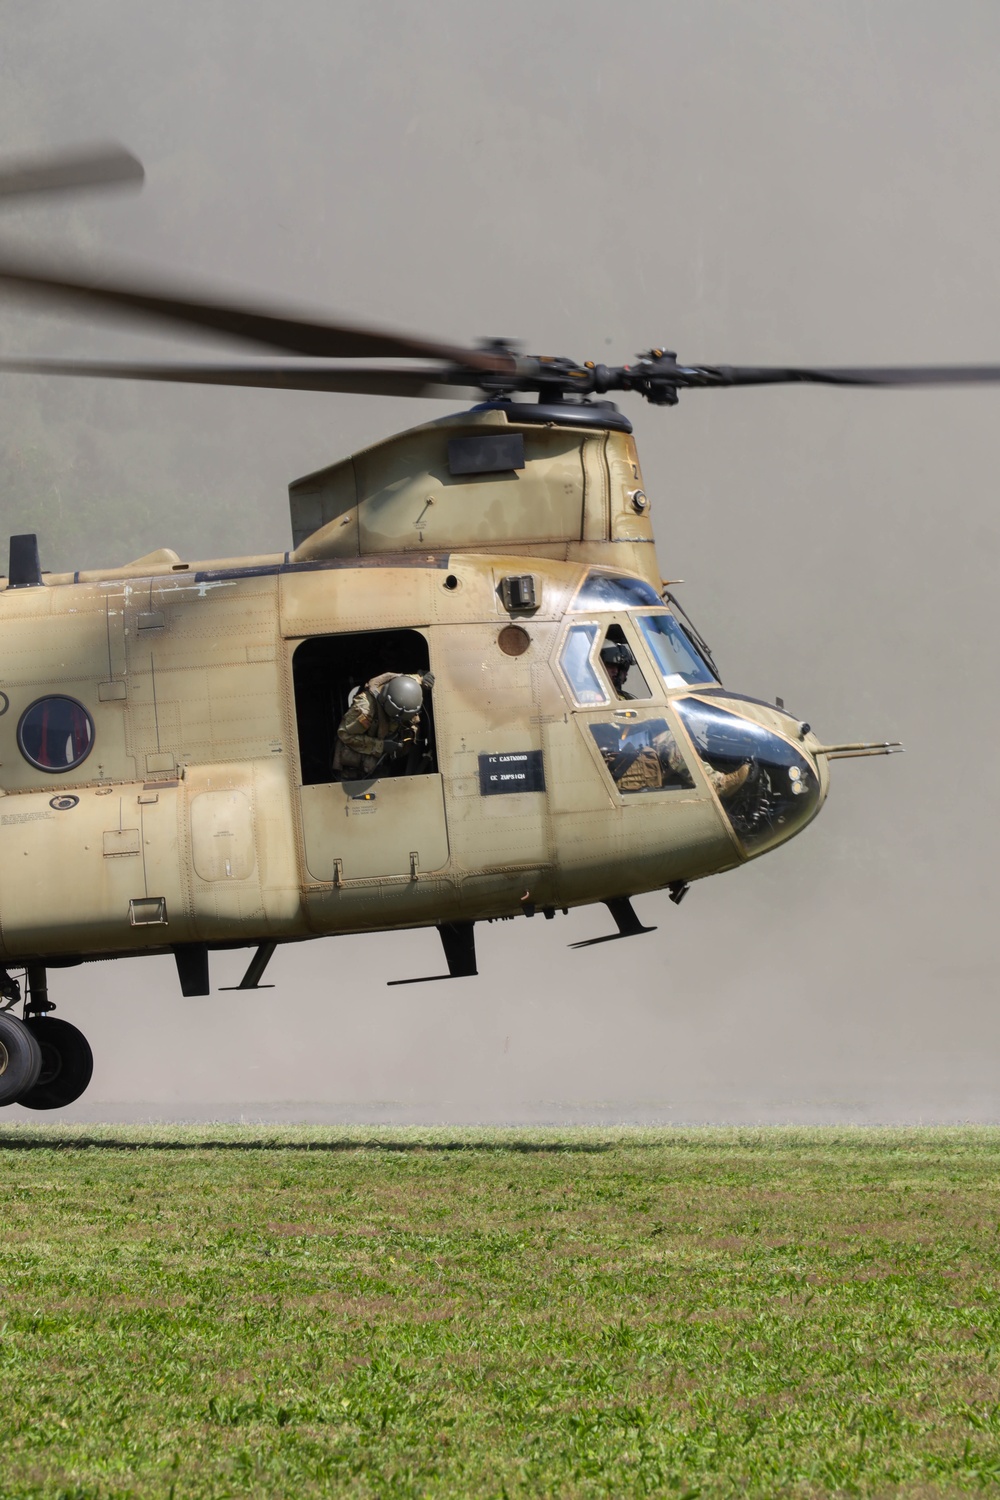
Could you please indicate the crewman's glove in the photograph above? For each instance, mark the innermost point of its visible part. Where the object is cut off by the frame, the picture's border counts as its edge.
(428, 679)
(391, 747)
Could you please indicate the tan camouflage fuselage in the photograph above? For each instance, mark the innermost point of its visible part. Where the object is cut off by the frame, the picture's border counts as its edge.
(188, 821)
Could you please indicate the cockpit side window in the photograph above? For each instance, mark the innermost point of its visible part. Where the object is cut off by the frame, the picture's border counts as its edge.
(675, 655)
(620, 666)
(642, 756)
(576, 661)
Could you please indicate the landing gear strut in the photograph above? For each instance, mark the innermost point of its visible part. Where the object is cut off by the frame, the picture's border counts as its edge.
(45, 1063)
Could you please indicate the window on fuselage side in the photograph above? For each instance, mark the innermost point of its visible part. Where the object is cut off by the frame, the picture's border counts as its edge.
(55, 733)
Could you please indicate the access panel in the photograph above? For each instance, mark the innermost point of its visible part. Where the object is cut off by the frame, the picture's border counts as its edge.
(90, 870)
(363, 830)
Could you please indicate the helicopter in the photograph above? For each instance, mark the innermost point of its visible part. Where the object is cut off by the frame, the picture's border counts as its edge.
(169, 727)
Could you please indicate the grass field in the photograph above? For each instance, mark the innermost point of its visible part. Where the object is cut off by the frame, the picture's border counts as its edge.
(234, 1311)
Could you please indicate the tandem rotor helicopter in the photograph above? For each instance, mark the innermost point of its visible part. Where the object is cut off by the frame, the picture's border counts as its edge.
(172, 771)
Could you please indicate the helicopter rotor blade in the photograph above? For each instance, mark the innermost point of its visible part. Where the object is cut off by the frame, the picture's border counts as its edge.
(359, 380)
(862, 375)
(658, 377)
(290, 332)
(68, 171)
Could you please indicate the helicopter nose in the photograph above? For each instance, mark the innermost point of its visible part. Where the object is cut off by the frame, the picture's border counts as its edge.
(768, 785)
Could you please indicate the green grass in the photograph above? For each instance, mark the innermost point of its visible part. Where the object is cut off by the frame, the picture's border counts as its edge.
(292, 1313)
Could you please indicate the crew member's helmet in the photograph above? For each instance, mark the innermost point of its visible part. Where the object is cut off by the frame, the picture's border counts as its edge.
(402, 697)
(617, 656)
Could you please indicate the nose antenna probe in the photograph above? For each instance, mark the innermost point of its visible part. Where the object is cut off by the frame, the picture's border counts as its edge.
(858, 748)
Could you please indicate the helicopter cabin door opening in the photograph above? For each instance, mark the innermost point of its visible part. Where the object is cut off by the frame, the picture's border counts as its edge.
(391, 823)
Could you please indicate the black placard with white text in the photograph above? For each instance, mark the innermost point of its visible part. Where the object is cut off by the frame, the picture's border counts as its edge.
(513, 771)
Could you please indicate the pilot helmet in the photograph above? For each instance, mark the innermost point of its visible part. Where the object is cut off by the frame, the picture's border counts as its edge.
(616, 655)
(402, 697)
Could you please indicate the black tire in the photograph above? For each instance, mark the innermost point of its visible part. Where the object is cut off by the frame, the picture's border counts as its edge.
(66, 1064)
(20, 1059)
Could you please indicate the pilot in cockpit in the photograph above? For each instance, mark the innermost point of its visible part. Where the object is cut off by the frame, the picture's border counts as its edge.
(618, 661)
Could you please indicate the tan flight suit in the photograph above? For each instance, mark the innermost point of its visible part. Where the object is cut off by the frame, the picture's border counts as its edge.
(662, 764)
(366, 726)
(656, 765)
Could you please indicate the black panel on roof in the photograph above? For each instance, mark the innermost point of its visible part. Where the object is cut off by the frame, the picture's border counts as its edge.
(486, 453)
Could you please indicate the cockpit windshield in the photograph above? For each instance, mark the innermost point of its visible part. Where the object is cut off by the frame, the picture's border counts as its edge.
(608, 591)
(679, 662)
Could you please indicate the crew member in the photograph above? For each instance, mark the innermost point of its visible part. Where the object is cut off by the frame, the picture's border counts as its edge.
(637, 765)
(618, 662)
(379, 729)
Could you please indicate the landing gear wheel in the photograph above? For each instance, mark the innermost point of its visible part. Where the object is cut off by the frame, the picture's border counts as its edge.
(20, 1059)
(66, 1063)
